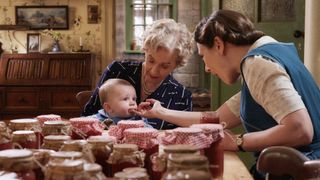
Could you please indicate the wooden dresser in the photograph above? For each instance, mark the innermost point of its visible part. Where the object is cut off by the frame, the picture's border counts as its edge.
(35, 84)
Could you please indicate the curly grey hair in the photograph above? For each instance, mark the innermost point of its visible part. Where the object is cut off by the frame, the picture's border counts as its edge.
(166, 33)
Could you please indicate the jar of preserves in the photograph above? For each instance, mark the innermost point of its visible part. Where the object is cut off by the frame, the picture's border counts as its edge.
(48, 117)
(79, 146)
(41, 158)
(54, 142)
(214, 152)
(56, 128)
(24, 139)
(159, 160)
(180, 162)
(5, 136)
(27, 124)
(94, 171)
(124, 156)
(65, 169)
(117, 130)
(83, 127)
(19, 161)
(101, 147)
(147, 141)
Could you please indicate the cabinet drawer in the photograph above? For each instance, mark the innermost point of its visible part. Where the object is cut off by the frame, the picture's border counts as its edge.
(63, 100)
(25, 99)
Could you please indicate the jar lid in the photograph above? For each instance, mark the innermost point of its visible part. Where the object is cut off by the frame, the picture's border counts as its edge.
(22, 132)
(186, 131)
(8, 175)
(66, 155)
(131, 175)
(180, 148)
(66, 165)
(101, 139)
(92, 167)
(134, 169)
(56, 123)
(57, 138)
(126, 124)
(15, 153)
(125, 147)
(49, 117)
(140, 133)
(24, 121)
(190, 159)
(83, 120)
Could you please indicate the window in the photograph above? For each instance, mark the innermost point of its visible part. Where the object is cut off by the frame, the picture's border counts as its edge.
(141, 13)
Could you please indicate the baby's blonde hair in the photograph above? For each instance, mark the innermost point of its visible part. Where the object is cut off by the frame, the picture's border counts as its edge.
(168, 34)
(106, 88)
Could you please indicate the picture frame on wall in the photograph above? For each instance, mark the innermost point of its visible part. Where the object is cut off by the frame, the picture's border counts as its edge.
(43, 17)
(93, 14)
(33, 43)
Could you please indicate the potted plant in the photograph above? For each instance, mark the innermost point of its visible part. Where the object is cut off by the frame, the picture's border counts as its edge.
(56, 36)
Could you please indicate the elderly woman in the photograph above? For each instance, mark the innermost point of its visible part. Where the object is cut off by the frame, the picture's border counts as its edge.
(167, 45)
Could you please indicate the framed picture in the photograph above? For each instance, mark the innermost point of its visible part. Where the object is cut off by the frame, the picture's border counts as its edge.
(93, 14)
(33, 43)
(43, 17)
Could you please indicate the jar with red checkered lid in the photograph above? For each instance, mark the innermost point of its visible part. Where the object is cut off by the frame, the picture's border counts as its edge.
(48, 117)
(117, 130)
(27, 124)
(83, 127)
(147, 141)
(101, 147)
(124, 156)
(54, 142)
(5, 136)
(214, 152)
(24, 139)
(19, 161)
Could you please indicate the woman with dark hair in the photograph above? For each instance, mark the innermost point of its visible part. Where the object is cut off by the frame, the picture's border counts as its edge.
(167, 46)
(279, 100)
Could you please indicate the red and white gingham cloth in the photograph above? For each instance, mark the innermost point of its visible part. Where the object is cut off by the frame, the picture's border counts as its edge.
(215, 131)
(87, 125)
(145, 138)
(117, 130)
(48, 117)
(187, 135)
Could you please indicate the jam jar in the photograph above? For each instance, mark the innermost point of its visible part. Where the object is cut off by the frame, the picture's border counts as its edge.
(214, 152)
(179, 162)
(94, 171)
(159, 160)
(117, 130)
(5, 136)
(54, 142)
(83, 127)
(41, 158)
(27, 124)
(56, 128)
(65, 169)
(101, 147)
(19, 161)
(79, 146)
(48, 117)
(24, 139)
(124, 156)
(147, 141)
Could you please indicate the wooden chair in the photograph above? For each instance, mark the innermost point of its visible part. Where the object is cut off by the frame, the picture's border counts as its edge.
(83, 97)
(280, 161)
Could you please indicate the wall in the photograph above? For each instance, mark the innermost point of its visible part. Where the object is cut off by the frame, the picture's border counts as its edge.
(15, 41)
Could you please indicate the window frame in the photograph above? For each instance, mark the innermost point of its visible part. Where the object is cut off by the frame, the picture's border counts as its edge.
(129, 21)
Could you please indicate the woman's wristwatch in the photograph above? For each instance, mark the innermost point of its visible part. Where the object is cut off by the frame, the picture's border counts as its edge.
(239, 141)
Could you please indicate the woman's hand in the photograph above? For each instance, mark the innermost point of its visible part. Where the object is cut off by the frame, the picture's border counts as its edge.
(151, 108)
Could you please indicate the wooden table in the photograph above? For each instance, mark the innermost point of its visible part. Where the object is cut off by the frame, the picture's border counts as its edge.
(234, 168)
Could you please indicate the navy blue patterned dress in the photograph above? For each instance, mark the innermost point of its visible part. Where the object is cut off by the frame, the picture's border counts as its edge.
(170, 93)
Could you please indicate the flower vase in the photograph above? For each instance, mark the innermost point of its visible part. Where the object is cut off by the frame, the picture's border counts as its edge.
(56, 46)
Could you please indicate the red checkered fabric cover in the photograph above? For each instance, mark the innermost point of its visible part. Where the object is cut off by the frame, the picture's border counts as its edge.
(214, 131)
(117, 130)
(87, 125)
(48, 117)
(145, 138)
(187, 135)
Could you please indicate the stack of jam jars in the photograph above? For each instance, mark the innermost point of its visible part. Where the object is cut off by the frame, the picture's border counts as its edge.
(124, 156)
(147, 141)
(214, 152)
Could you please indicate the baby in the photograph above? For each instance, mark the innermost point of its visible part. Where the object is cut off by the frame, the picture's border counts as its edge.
(117, 96)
